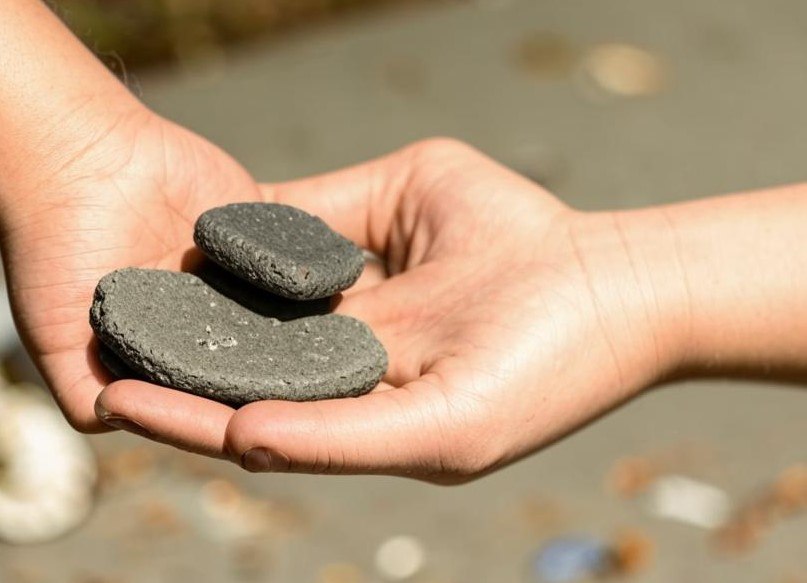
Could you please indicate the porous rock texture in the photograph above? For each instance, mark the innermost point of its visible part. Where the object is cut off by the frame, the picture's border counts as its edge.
(176, 330)
(279, 248)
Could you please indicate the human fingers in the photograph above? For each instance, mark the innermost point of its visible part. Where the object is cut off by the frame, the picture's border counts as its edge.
(375, 204)
(165, 415)
(76, 378)
(415, 431)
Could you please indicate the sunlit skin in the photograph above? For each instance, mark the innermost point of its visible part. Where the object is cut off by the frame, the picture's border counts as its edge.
(486, 295)
(510, 319)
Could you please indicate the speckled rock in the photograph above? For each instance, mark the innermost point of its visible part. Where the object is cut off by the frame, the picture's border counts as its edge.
(279, 248)
(259, 300)
(175, 330)
(116, 367)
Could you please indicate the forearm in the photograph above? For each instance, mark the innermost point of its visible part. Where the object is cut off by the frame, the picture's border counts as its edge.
(55, 96)
(732, 272)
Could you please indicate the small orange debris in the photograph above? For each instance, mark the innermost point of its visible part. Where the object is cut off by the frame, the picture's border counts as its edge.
(631, 476)
(633, 552)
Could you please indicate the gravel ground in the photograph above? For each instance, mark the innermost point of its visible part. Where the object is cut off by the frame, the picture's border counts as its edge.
(708, 108)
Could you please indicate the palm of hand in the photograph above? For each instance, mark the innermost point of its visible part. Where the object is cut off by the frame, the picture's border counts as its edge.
(486, 315)
(128, 200)
(484, 310)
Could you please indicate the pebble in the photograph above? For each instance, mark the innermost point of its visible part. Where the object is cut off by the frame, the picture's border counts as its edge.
(280, 249)
(399, 558)
(176, 330)
(259, 300)
(114, 364)
(690, 501)
(624, 70)
(43, 495)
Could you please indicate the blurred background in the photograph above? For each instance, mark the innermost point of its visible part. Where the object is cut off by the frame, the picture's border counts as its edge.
(608, 104)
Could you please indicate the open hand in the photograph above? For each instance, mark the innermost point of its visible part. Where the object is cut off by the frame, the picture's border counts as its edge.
(509, 319)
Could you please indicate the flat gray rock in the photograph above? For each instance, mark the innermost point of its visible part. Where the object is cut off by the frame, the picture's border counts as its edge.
(177, 331)
(113, 363)
(259, 300)
(280, 249)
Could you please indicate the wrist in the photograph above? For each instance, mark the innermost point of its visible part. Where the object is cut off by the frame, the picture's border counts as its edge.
(743, 259)
(725, 279)
(638, 291)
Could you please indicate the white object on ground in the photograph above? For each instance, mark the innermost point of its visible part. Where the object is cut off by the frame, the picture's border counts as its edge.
(625, 70)
(689, 501)
(399, 558)
(48, 472)
(232, 513)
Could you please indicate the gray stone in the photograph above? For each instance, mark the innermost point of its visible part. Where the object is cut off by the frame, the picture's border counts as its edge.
(116, 367)
(279, 248)
(259, 300)
(175, 330)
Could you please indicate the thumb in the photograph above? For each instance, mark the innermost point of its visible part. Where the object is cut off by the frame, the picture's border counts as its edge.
(359, 202)
(411, 431)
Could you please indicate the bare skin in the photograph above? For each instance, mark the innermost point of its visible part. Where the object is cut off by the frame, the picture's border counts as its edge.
(488, 316)
(510, 318)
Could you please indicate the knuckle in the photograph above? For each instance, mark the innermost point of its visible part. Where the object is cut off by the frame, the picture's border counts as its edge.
(238, 431)
(440, 147)
(81, 424)
(111, 393)
(327, 462)
(261, 426)
(82, 421)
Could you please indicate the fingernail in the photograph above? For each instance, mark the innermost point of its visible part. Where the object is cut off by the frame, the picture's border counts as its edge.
(126, 425)
(256, 460)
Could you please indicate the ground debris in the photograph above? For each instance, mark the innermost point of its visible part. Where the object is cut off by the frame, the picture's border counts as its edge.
(633, 475)
(689, 501)
(127, 467)
(545, 55)
(159, 517)
(540, 515)
(251, 561)
(633, 552)
(234, 514)
(784, 498)
(340, 573)
(399, 558)
(624, 70)
(575, 558)
(48, 473)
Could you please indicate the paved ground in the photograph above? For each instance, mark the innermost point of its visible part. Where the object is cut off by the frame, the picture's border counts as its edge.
(728, 119)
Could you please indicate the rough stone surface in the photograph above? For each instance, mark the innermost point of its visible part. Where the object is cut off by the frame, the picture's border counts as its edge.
(113, 363)
(259, 300)
(279, 248)
(175, 330)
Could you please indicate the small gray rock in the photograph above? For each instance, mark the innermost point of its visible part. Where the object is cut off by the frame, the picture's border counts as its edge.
(259, 300)
(279, 248)
(116, 367)
(177, 331)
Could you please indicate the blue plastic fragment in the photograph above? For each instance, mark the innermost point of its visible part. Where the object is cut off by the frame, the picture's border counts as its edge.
(565, 560)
